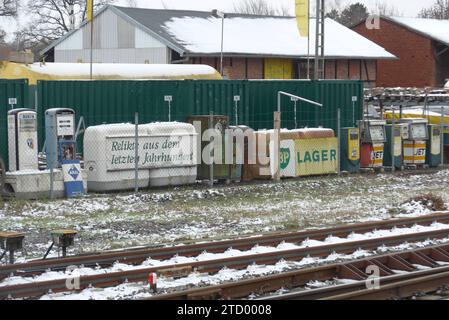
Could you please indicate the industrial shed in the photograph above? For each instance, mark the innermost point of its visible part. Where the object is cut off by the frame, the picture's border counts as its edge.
(255, 47)
(422, 46)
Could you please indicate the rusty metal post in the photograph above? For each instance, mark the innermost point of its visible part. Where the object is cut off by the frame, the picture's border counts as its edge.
(211, 166)
(11, 256)
(338, 139)
(442, 136)
(393, 130)
(136, 153)
(277, 146)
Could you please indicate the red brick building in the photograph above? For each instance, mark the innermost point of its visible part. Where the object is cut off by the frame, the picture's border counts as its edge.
(422, 46)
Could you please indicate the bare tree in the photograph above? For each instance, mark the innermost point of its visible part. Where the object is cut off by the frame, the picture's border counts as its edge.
(334, 14)
(353, 14)
(260, 7)
(166, 6)
(384, 9)
(440, 10)
(51, 19)
(333, 6)
(2, 36)
(8, 8)
(132, 3)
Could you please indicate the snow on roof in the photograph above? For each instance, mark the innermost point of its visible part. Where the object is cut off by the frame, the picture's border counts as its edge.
(132, 71)
(269, 36)
(447, 85)
(432, 28)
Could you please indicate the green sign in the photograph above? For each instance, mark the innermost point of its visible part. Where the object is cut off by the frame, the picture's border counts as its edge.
(285, 157)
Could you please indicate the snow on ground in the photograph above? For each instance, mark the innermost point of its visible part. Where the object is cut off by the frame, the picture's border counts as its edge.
(205, 256)
(165, 285)
(158, 217)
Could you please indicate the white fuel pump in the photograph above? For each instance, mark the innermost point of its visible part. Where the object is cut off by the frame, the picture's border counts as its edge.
(22, 140)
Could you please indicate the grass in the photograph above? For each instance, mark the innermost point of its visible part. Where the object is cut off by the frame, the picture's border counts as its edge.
(159, 216)
(430, 201)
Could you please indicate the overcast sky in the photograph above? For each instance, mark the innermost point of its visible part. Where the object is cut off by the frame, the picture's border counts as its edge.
(406, 7)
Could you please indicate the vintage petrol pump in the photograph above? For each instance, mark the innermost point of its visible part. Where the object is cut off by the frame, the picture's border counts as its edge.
(393, 146)
(350, 149)
(22, 140)
(433, 155)
(373, 139)
(415, 137)
(60, 136)
(61, 148)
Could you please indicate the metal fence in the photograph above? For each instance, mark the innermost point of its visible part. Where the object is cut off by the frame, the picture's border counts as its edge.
(246, 104)
(115, 101)
(13, 94)
(135, 155)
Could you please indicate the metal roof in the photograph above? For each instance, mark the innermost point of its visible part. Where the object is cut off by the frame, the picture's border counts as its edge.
(154, 22)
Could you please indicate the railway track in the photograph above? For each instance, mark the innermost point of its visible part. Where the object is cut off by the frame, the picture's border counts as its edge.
(37, 289)
(137, 256)
(401, 275)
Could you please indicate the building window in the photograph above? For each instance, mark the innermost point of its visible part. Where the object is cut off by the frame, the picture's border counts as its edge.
(302, 69)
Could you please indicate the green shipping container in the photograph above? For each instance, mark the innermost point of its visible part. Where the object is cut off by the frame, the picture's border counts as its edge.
(17, 89)
(116, 101)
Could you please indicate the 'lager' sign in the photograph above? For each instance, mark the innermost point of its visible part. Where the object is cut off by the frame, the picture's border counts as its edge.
(316, 156)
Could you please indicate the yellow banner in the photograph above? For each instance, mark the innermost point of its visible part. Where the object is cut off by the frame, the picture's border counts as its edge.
(316, 156)
(90, 10)
(302, 17)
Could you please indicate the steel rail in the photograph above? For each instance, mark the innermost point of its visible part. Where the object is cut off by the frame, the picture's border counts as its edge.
(137, 256)
(399, 289)
(296, 279)
(344, 291)
(212, 266)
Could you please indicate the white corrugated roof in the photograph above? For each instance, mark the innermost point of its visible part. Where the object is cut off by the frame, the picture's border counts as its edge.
(433, 28)
(269, 36)
(131, 71)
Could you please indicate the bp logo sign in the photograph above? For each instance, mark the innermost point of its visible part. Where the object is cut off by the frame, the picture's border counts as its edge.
(285, 157)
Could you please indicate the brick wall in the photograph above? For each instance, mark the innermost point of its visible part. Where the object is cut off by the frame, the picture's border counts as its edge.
(235, 68)
(352, 70)
(416, 67)
(253, 68)
(442, 69)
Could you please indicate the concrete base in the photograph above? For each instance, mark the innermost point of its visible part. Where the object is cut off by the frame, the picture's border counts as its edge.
(35, 184)
(173, 176)
(117, 185)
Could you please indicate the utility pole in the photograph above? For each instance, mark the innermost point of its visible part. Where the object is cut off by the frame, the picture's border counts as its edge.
(319, 40)
(218, 14)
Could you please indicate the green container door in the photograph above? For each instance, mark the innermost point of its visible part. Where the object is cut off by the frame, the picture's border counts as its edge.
(116, 101)
(393, 153)
(220, 123)
(15, 89)
(433, 150)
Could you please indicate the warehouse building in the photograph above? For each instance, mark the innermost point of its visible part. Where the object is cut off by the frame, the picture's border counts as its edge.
(255, 47)
(422, 46)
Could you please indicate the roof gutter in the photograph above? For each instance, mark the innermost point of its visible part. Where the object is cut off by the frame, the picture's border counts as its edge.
(180, 61)
(255, 55)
